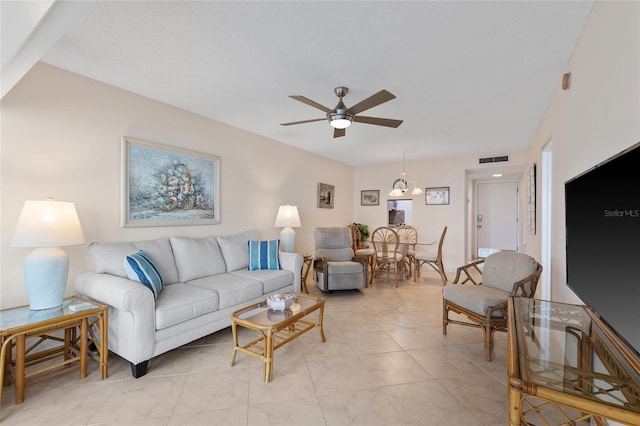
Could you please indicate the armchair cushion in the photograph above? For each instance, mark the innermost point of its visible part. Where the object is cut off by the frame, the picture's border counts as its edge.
(502, 269)
(476, 298)
(335, 255)
(344, 267)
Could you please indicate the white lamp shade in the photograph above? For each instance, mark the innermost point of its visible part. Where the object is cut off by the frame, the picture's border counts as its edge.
(288, 217)
(47, 224)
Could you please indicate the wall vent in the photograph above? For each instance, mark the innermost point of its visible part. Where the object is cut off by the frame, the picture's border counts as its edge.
(496, 159)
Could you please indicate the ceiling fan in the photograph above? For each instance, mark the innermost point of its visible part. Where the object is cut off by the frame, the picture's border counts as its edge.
(341, 117)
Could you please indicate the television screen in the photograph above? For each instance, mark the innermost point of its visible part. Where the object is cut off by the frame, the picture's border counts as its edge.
(603, 241)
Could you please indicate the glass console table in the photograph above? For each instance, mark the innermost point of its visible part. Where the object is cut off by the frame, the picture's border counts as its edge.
(566, 367)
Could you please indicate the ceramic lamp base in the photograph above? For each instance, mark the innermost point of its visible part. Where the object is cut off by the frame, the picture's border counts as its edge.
(45, 276)
(287, 239)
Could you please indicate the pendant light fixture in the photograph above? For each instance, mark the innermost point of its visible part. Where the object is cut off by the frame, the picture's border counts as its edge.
(402, 185)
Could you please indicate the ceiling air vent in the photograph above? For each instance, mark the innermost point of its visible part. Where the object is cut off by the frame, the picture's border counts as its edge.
(496, 159)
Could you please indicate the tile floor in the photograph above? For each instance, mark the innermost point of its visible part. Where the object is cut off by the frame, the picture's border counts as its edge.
(385, 362)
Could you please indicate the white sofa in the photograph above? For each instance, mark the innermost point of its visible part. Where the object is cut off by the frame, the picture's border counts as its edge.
(205, 280)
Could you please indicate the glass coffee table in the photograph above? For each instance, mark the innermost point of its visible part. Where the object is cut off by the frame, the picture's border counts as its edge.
(276, 328)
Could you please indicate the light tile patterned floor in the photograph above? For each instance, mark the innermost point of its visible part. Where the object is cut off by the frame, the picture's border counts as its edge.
(385, 362)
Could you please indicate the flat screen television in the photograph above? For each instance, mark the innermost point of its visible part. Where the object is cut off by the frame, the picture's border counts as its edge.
(603, 241)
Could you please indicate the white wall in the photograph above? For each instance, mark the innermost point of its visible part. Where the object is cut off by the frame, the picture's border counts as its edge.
(428, 219)
(596, 118)
(61, 135)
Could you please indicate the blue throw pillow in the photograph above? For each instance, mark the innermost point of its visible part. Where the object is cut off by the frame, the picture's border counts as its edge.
(264, 254)
(141, 269)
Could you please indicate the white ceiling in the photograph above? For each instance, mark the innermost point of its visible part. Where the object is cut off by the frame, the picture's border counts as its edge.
(471, 78)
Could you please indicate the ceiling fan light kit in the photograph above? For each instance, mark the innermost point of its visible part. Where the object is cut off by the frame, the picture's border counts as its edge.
(341, 117)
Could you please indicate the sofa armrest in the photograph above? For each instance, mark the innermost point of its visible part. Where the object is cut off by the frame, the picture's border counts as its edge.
(132, 322)
(293, 262)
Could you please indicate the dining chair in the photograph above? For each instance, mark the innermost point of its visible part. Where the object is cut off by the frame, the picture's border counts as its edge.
(433, 259)
(361, 249)
(388, 256)
(408, 236)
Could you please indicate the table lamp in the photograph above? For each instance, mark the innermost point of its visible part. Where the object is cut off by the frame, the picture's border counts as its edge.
(288, 218)
(47, 225)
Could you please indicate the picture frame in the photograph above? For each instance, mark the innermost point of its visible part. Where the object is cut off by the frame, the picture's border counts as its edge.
(326, 195)
(168, 186)
(436, 196)
(370, 197)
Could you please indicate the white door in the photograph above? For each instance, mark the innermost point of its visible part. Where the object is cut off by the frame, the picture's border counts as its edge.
(496, 217)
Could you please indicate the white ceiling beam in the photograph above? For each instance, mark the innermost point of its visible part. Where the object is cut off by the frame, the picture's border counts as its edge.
(28, 30)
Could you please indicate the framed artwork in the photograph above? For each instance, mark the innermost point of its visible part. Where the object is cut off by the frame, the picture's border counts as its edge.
(370, 197)
(168, 186)
(531, 198)
(436, 196)
(326, 194)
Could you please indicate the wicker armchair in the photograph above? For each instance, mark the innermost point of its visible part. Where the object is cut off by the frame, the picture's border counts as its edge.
(484, 301)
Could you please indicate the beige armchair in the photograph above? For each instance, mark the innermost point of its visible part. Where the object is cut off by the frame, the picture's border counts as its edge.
(482, 294)
(335, 266)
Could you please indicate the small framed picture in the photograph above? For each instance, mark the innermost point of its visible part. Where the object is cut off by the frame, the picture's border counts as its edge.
(436, 196)
(370, 197)
(326, 194)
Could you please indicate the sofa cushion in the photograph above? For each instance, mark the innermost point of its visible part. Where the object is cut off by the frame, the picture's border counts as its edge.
(232, 289)
(197, 257)
(180, 302)
(476, 298)
(272, 280)
(140, 268)
(108, 257)
(234, 249)
(264, 255)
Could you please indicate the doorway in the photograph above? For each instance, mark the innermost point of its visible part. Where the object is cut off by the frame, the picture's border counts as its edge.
(546, 225)
(496, 221)
(400, 212)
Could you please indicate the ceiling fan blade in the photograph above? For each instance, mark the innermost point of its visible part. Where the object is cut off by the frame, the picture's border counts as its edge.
(388, 122)
(339, 133)
(302, 122)
(374, 100)
(310, 103)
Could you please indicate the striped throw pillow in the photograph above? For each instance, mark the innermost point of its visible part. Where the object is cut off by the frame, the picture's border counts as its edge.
(141, 269)
(264, 254)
